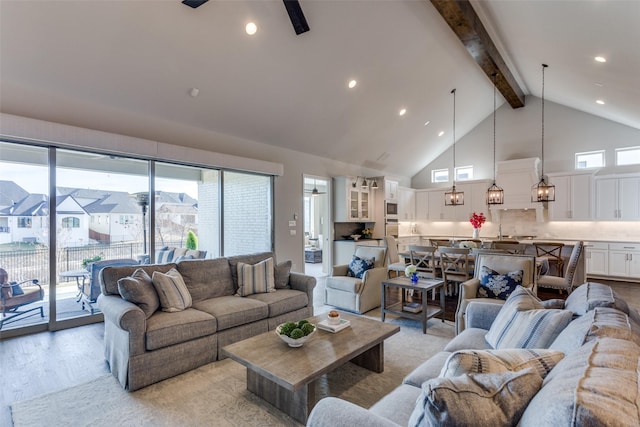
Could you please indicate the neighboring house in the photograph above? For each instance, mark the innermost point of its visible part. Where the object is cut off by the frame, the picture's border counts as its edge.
(177, 213)
(10, 193)
(27, 219)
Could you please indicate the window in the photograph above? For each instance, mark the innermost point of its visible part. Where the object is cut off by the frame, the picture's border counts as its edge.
(627, 156)
(24, 222)
(591, 159)
(440, 175)
(464, 173)
(70, 222)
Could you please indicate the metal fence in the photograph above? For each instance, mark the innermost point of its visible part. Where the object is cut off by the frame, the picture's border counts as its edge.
(25, 264)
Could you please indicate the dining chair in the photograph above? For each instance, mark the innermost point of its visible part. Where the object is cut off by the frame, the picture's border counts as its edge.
(564, 283)
(394, 264)
(440, 242)
(456, 265)
(423, 257)
(513, 247)
(553, 252)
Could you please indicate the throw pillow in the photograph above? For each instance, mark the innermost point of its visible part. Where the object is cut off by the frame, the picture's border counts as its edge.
(281, 273)
(358, 266)
(523, 323)
(496, 285)
(255, 279)
(172, 291)
(138, 289)
(497, 399)
(489, 361)
(164, 255)
(16, 289)
(590, 295)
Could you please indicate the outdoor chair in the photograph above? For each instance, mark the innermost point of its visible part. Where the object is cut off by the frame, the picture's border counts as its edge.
(15, 297)
(91, 292)
(564, 283)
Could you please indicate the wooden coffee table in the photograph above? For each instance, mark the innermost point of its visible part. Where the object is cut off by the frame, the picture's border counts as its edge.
(285, 376)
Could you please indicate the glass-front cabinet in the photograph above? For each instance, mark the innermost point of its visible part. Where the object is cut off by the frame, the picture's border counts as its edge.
(352, 201)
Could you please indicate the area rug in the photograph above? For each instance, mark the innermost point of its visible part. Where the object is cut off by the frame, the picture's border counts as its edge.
(215, 394)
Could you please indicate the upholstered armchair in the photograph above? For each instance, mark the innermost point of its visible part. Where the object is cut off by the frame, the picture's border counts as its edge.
(354, 294)
(502, 264)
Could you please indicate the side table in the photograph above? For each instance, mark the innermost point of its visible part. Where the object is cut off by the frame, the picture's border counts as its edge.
(423, 285)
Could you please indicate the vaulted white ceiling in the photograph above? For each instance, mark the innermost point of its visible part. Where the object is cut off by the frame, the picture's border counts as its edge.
(128, 67)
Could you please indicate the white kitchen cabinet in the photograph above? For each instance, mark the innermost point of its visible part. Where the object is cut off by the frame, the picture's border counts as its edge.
(573, 198)
(624, 260)
(597, 258)
(406, 204)
(436, 205)
(422, 205)
(390, 190)
(352, 203)
(618, 198)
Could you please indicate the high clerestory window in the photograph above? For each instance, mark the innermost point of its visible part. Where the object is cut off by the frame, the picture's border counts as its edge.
(590, 159)
(627, 156)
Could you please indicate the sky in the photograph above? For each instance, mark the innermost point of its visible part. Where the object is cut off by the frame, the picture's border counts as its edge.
(34, 179)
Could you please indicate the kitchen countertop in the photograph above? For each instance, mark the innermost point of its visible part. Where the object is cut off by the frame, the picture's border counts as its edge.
(524, 241)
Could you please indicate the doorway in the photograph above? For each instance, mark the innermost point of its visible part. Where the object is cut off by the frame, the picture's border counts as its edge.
(317, 230)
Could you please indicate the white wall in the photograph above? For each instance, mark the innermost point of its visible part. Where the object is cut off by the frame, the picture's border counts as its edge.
(518, 135)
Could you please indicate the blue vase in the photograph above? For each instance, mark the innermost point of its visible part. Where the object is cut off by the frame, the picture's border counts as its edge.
(414, 278)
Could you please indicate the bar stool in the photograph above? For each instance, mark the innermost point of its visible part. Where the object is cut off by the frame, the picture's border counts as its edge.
(552, 251)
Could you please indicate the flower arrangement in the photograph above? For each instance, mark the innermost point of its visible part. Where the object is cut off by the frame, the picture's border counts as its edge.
(367, 232)
(477, 219)
(410, 270)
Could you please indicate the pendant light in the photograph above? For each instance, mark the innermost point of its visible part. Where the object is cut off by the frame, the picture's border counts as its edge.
(453, 197)
(495, 194)
(543, 192)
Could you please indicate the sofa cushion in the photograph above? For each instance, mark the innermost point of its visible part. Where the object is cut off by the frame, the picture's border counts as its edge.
(595, 385)
(599, 322)
(255, 279)
(172, 291)
(496, 399)
(469, 339)
(427, 370)
(344, 283)
(207, 278)
(496, 285)
(590, 295)
(165, 329)
(488, 361)
(247, 259)
(231, 311)
(358, 266)
(519, 326)
(282, 301)
(138, 289)
(281, 275)
(395, 406)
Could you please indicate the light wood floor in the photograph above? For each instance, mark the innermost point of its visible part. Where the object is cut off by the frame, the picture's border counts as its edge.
(51, 361)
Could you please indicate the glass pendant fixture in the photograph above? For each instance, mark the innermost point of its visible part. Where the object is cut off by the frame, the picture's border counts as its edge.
(495, 194)
(543, 192)
(453, 197)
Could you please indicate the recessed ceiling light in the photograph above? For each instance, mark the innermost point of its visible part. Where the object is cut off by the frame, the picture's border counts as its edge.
(194, 92)
(427, 122)
(600, 59)
(403, 112)
(441, 133)
(600, 101)
(352, 84)
(251, 28)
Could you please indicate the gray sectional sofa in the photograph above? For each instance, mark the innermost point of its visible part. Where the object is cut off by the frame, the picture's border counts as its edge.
(144, 346)
(590, 373)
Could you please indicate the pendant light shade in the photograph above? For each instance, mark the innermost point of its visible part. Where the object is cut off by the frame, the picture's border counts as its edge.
(543, 192)
(495, 194)
(453, 197)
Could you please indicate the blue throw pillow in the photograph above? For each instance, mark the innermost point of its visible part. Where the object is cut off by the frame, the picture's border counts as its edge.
(16, 289)
(496, 285)
(358, 266)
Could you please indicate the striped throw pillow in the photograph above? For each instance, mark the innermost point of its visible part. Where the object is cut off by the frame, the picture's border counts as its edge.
(489, 361)
(172, 291)
(523, 323)
(256, 279)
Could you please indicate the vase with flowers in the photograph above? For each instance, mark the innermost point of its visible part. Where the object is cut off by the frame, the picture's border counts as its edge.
(367, 232)
(476, 220)
(410, 272)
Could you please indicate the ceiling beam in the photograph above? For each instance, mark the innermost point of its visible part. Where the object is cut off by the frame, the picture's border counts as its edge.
(464, 21)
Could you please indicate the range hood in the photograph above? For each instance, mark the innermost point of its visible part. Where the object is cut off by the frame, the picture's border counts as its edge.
(517, 177)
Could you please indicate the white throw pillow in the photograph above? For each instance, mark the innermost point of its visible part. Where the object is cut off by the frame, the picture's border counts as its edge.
(172, 291)
(256, 279)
